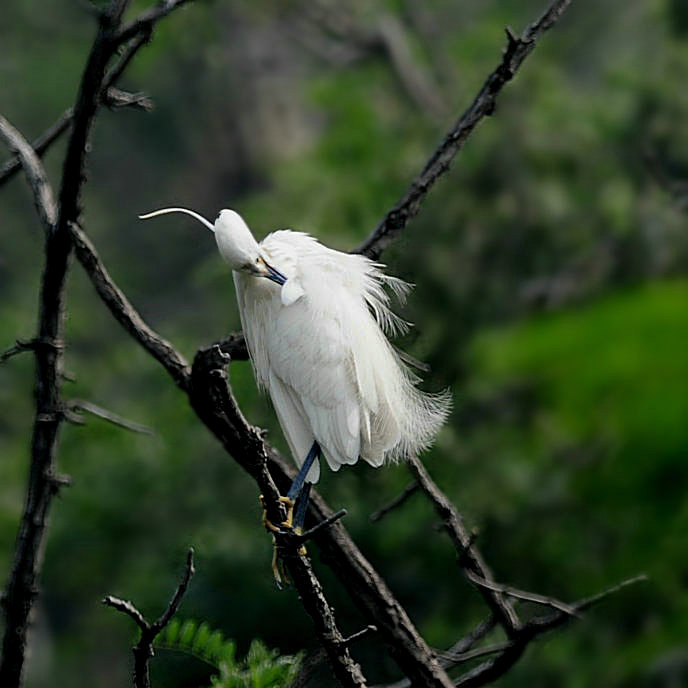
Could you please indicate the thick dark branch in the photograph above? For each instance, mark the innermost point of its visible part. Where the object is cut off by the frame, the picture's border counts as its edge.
(212, 399)
(125, 313)
(143, 650)
(234, 346)
(482, 106)
(469, 556)
(22, 586)
(35, 174)
(147, 19)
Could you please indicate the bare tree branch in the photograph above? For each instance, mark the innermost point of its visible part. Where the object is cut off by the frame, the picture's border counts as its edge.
(482, 106)
(114, 98)
(409, 490)
(115, 419)
(212, 399)
(22, 586)
(521, 594)
(40, 145)
(125, 313)
(469, 557)
(143, 650)
(20, 346)
(147, 19)
(492, 669)
(35, 174)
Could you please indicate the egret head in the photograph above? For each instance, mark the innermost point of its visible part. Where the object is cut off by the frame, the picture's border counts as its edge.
(235, 242)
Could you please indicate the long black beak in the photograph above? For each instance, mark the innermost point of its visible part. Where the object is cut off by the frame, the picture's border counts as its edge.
(274, 275)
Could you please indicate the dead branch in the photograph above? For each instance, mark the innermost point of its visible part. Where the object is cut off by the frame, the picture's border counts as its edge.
(76, 405)
(211, 397)
(143, 650)
(35, 174)
(482, 106)
(125, 313)
(114, 98)
(147, 19)
(521, 594)
(469, 557)
(409, 490)
(43, 483)
(20, 346)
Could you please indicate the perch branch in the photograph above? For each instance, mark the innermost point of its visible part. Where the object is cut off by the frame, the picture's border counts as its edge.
(143, 650)
(482, 106)
(211, 397)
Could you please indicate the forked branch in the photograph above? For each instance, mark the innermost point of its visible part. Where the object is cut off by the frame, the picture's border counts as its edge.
(143, 650)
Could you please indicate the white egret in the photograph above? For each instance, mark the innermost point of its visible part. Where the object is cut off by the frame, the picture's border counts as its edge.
(315, 322)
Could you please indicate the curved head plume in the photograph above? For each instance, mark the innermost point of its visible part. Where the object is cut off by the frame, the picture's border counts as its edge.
(234, 240)
(165, 211)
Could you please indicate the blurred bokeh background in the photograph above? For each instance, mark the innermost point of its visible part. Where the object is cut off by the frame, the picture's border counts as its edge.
(552, 297)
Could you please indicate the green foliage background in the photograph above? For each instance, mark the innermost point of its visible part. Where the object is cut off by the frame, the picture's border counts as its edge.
(551, 296)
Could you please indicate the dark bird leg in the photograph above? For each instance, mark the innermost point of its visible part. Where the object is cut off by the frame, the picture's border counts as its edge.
(297, 487)
(301, 507)
(296, 500)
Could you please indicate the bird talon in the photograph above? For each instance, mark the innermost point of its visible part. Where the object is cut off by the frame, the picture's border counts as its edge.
(290, 503)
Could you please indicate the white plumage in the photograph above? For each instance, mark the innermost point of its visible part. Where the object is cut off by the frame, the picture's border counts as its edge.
(316, 331)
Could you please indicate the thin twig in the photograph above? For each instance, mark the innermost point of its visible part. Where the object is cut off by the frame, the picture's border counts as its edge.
(409, 490)
(127, 608)
(492, 669)
(176, 600)
(143, 650)
(148, 18)
(482, 106)
(115, 419)
(20, 346)
(522, 594)
(114, 98)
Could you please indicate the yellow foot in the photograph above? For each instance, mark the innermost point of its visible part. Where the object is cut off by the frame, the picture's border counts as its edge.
(269, 525)
(278, 569)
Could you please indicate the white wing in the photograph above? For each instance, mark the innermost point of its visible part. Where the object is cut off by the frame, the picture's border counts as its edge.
(325, 360)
